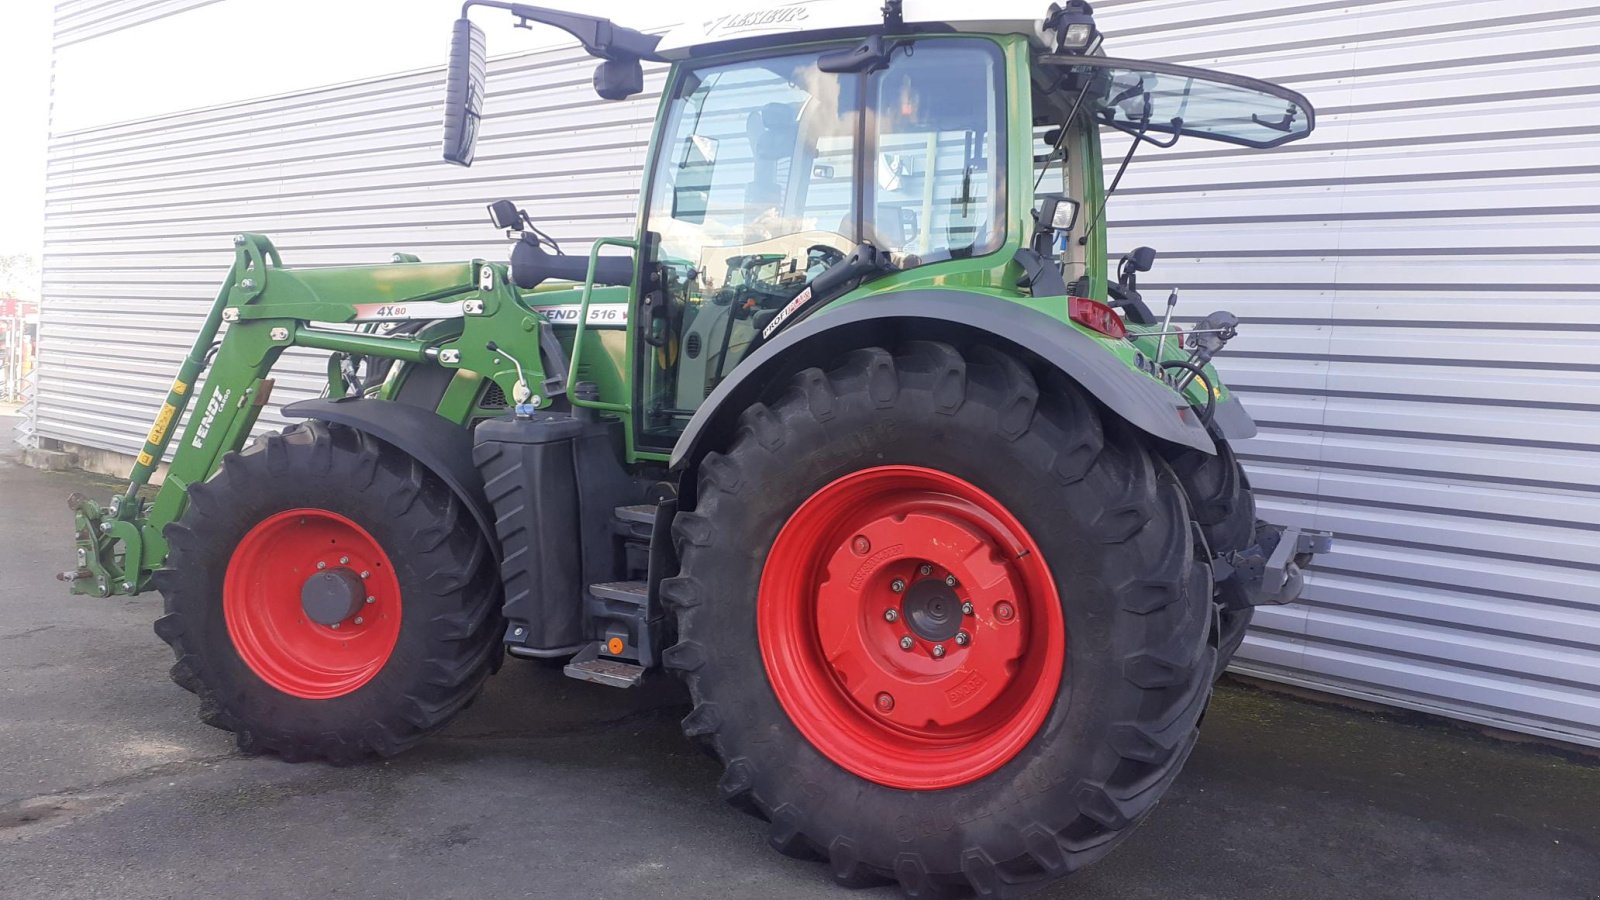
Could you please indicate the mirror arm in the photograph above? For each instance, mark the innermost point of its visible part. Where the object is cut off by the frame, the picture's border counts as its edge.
(599, 37)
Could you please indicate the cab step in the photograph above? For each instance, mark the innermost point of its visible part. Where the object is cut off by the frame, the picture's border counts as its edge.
(643, 513)
(615, 659)
(589, 665)
(634, 592)
(625, 620)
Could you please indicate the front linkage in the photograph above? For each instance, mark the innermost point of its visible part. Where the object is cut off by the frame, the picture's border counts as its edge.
(269, 309)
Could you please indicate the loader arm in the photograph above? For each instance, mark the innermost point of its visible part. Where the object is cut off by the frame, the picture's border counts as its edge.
(268, 309)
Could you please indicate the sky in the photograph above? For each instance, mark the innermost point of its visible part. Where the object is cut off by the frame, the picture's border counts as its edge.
(24, 112)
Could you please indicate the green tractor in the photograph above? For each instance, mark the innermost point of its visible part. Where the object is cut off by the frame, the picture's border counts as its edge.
(857, 434)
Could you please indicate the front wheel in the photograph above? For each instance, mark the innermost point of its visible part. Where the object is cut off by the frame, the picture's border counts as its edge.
(940, 624)
(328, 597)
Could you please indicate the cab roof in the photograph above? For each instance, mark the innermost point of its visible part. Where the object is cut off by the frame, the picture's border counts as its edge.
(718, 27)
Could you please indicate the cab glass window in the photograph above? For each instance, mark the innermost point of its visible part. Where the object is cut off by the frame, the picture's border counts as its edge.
(770, 171)
(937, 164)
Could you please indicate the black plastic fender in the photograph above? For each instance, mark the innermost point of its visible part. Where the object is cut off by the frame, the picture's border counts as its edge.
(441, 445)
(1231, 419)
(1144, 402)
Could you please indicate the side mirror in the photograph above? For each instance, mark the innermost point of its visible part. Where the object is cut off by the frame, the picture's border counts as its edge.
(1140, 259)
(463, 92)
(505, 215)
(618, 79)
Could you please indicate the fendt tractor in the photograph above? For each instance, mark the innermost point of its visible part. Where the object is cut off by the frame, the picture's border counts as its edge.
(857, 433)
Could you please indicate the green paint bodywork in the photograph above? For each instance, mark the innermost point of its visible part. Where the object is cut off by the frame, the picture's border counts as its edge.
(268, 308)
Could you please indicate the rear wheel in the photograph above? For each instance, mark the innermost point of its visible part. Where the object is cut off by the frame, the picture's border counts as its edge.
(976, 651)
(1223, 505)
(328, 597)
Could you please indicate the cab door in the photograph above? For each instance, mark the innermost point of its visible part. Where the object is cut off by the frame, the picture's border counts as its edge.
(752, 195)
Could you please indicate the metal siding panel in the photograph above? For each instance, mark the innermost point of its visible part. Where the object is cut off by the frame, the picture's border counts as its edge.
(139, 215)
(1420, 273)
(79, 20)
(1416, 282)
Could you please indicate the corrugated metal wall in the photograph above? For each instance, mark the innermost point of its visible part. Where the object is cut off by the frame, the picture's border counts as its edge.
(1417, 281)
(1423, 348)
(80, 20)
(139, 217)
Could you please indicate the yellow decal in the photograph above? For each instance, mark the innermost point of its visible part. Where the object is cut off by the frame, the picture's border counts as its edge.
(163, 419)
(179, 387)
(145, 459)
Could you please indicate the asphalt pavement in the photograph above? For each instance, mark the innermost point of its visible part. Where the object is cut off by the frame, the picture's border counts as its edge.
(547, 787)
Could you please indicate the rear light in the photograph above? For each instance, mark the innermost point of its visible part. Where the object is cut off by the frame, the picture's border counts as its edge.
(1096, 316)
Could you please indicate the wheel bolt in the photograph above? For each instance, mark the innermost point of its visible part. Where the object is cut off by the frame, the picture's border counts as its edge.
(372, 599)
(938, 651)
(966, 608)
(334, 626)
(925, 569)
(963, 639)
(861, 545)
(322, 565)
(359, 620)
(365, 573)
(885, 702)
(950, 581)
(897, 585)
(889, 615)
(1004, 611)
(906, 643)
(344, 560)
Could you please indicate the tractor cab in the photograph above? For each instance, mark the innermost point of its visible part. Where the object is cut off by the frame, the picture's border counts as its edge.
(804, 152)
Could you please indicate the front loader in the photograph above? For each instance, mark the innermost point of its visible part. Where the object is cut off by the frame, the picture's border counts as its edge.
(941, 523)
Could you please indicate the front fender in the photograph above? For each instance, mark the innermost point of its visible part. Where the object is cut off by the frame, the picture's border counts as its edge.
(1142, 401)
(439, 444)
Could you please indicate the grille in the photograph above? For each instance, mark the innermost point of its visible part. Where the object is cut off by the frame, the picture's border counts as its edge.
(493, 397)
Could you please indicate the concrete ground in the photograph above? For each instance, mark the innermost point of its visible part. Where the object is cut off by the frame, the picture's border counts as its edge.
(110, 787)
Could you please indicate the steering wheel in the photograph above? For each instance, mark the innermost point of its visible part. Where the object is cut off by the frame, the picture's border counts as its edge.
(823, 254)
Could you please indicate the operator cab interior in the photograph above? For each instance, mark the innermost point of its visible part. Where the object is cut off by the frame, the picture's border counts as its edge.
(773, 170)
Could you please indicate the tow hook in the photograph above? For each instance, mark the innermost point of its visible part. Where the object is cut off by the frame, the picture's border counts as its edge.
(1273, 577)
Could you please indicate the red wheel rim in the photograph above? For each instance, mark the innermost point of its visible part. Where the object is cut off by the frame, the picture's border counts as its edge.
(910, 628)
(262, 603)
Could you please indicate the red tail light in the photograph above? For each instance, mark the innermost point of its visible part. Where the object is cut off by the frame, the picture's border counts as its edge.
(1097, 316)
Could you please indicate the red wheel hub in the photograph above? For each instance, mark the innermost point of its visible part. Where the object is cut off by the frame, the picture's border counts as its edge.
(312, 603)
(910, 627)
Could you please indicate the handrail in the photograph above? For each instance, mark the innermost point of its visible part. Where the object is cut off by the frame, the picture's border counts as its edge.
(583, 324)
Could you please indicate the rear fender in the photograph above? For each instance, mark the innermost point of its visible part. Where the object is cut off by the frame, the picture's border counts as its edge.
(1143, 402)
(440, 445)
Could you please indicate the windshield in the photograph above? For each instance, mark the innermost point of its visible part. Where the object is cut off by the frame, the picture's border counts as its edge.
(1179, 100)
(757, 154)
(770, 171)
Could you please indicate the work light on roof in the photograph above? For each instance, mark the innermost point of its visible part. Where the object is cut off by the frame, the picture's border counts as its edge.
(1073, 24)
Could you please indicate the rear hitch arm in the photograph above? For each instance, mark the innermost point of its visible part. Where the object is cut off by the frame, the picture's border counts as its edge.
(1277, 578)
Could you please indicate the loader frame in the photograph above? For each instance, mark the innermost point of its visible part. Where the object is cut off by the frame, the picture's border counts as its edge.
(268, 309)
